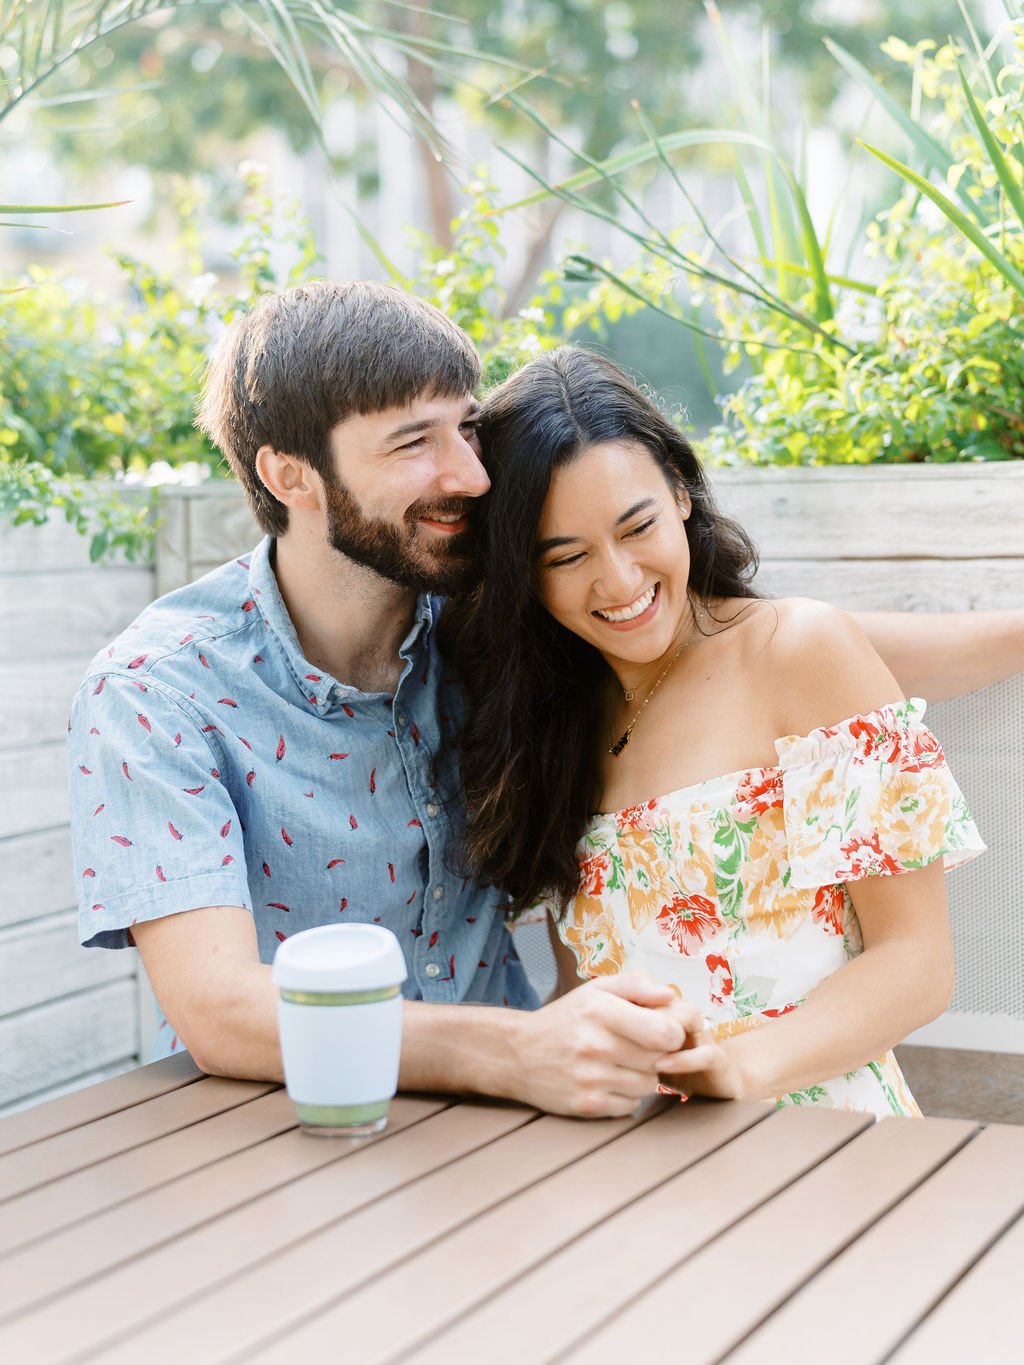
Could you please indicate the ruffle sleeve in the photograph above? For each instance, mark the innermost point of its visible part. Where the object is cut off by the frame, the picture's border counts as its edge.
(871, 796)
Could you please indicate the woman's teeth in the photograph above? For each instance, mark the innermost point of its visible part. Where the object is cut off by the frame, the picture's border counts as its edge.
(635, 609)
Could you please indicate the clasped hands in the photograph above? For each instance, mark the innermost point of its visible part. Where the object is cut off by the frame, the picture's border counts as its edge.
(600, 1049)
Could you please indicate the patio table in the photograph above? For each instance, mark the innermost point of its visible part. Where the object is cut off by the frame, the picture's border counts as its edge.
(165, 1216)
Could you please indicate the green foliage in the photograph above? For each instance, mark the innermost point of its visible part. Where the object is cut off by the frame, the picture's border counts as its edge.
(937, 368)
(97, 389)
(94, 389)
(922, 363)
(463, 282)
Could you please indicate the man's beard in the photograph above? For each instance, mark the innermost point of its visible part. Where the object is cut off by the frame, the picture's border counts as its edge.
(399, 552)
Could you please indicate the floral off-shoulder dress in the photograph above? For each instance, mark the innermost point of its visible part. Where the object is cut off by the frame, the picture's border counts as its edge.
(734, 891)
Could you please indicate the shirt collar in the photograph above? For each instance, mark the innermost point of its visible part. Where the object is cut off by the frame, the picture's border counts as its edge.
(319, 691)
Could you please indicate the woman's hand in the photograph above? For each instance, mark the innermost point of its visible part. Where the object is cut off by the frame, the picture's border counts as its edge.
(703, 1066)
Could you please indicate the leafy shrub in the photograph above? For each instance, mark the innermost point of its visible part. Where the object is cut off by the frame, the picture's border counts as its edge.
(923, 361)
(93, 389)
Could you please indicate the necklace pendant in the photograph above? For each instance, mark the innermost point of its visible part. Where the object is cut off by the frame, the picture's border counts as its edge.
(619, 745)
(628, 693)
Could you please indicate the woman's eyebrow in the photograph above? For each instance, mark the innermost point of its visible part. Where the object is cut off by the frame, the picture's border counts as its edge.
(553, 542)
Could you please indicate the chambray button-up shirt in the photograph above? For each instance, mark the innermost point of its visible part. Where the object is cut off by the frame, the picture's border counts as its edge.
(211, 764)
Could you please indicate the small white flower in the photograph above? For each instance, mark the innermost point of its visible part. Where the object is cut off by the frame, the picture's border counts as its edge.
(200, 288)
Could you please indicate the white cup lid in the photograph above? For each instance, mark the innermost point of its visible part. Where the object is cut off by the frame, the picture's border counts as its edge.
(340, 957)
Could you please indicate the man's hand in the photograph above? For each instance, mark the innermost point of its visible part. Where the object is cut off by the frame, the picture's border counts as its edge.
(596, 1051)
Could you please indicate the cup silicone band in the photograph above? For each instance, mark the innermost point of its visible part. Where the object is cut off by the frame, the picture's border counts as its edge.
(340, 997)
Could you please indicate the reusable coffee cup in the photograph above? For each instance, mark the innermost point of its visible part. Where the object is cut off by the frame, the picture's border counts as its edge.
(340, 1018)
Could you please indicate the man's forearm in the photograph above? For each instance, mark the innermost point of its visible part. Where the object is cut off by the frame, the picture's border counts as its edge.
(463, 1048)
(937, 655)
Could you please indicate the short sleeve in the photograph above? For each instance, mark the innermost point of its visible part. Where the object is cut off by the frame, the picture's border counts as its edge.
(871, 796)
(153, 828)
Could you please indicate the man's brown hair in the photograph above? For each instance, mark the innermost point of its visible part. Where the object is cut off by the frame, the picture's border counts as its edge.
(308, 358)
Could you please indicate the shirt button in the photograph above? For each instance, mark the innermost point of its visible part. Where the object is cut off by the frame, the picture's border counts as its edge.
(438, 892)
(432, 969)
(432, 810)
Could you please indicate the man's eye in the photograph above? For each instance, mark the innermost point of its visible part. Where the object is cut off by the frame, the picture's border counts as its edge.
(414, 444)
(470, 427)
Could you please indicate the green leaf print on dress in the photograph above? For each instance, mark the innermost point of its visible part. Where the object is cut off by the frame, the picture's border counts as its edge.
(730, 851)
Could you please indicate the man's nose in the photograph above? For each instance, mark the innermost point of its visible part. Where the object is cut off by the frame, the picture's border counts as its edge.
(463, 473)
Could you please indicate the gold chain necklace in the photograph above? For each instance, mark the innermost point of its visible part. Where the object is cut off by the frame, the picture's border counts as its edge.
(629, 693)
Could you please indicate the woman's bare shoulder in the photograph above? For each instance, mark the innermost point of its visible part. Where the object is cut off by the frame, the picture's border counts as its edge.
(817, 664)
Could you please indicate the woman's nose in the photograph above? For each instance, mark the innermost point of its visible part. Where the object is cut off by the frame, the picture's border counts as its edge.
(620, 579)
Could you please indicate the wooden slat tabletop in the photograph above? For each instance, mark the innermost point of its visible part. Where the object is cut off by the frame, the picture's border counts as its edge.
(164, 1216)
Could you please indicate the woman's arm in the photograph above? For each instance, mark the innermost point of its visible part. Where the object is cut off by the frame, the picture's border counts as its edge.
(937, 655)
(903, 979)
(819, 669)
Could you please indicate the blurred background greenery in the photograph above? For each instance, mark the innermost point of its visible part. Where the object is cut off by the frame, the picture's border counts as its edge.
(799, 220)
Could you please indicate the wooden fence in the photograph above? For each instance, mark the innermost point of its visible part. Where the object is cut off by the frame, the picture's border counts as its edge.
(67, 1016)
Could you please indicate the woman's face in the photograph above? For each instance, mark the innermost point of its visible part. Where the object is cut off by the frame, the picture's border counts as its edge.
(612, 559)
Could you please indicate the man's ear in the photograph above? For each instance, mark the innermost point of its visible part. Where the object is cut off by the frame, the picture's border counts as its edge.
(291, 480)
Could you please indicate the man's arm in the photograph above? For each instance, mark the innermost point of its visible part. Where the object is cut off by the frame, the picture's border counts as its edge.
(593, 1052)
(937, 655)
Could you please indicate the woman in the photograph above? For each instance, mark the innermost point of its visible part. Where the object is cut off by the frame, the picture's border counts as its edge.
(623, 762)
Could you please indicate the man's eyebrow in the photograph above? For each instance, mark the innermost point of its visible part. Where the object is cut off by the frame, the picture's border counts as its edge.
(554, 542)
(426, 423)
(409, 428)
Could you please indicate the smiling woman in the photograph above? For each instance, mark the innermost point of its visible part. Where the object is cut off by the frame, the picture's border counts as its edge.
(769, 844)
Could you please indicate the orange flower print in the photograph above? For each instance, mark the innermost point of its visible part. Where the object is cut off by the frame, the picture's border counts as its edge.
(687, 920)
(591, 932)
(592, 874)
(829, 908)
(865, 859)
(759, 790)
(720, 984)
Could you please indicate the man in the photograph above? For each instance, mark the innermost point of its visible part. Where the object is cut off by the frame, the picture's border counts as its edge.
(271, 748)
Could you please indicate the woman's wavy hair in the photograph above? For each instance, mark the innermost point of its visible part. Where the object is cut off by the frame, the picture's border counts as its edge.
(530, 756)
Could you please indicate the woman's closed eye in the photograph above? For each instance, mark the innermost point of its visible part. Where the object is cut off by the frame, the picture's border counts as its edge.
(644, 526)
(567, 561)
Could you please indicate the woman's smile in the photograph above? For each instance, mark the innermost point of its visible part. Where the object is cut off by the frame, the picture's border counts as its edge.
(637, 613)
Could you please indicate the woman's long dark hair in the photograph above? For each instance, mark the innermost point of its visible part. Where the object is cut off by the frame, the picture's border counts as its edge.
(530, 759)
